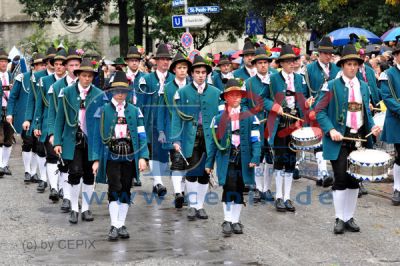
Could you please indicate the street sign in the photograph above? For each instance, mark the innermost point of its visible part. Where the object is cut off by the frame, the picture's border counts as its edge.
(177, 3)
(255, 25)
(193, 54)
(203, 9)
(186, 40)
(189, 21)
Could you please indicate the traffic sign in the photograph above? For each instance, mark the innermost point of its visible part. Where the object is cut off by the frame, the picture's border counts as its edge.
(203, 9)
(186, 40)
(255, 25)
(193, 54)
(177, 3)
(192, 21)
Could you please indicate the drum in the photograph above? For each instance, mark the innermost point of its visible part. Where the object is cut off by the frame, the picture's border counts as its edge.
(379, 119)
(307, 138)
(368, 164)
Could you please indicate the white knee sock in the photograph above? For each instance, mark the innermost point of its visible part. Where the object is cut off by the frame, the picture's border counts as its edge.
(26, 158)
(183, 184)
(228, 211)
(191, 188)
(288, 185)
(268, 169)
(42, 168)
(34, 164)
(52, 175)
(177, 181)
(75, 189)
(350, 204)
(165, 171)
(66, 189)
(122, 213)
(236, 209)
(88, 190)
(322, 168)
(339, 201)
(6, 155)
(279, 182)
(201, 195)
(155, 167)
(61, 180)
(113, 208)
(396, 176)
(258, 174)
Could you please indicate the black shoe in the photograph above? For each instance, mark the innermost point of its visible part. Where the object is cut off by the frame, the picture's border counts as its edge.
(87, 216)
(363, 190)
(27, 177)
(246, 189)
(396, 198)
(318, 183)
(66, 205)
(289, 206)
(279, 205)
(35, 179)
(2, 171)
(73, 217)
(296, 174)
(123, 232)
(201, 214)
(237, 228)
(7, 171)
(54, 195)
(327, 181)
(191, 214)
(268, 196)
(256, 196)
(179, 199)
(160, 190)
(137, 183)
(113, 234)
(61, 193)
(351, 226)
(227, 229)
(41, 187)
(339, 227)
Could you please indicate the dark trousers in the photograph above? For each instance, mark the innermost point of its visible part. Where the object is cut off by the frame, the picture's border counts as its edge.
(343, 180)
(80, 166)
(196, 168)
(120, 175)
(29, 142)
(283, 156)
(51, 156)
(6, 134)
(40, 148)
(234, 185)
(397, 158)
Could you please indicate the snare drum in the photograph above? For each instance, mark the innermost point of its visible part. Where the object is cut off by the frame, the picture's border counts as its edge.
(307, 138)
(368, 164)
(379, 119)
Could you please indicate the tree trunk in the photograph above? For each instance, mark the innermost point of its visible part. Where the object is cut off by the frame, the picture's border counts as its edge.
(123, 26)
(139, 17)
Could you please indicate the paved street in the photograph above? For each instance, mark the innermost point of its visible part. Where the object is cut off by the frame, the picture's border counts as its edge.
(34, 231)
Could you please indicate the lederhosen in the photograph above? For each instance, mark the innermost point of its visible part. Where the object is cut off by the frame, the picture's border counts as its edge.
(121, 166)
(343, 179)
(80, 166)
(234, 185)
(6, 131)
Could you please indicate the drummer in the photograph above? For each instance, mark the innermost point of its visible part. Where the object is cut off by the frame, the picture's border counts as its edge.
(343, 111)
(390, 90)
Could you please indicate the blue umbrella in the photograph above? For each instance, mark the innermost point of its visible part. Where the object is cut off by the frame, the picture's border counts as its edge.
(391, 34)
(229, 52)
(341, 36)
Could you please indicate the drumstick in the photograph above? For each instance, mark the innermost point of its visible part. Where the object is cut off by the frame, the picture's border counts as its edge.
(377, 109)
(370, 133)
(183, 157)
(355, 139)
(293, 117)
(13, 128)
(61, 159)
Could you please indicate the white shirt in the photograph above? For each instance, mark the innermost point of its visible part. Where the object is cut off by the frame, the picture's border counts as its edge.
(6, 94)
(71, 81)
(120, 130)
(358, 99)
(235, 125)
(264, 79)
(289, 79)
(325, 67)
(57, 77)
(251, 71)
(131, 74)
(82, 91)
(180, 83)
(198, 85)
(228, 75)
(398, 66)
(4, 75)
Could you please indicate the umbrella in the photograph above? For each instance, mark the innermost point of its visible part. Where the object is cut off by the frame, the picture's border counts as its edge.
(229, 52)
(391, 34)
(341, 36)
(372, 48)
(236, 54)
